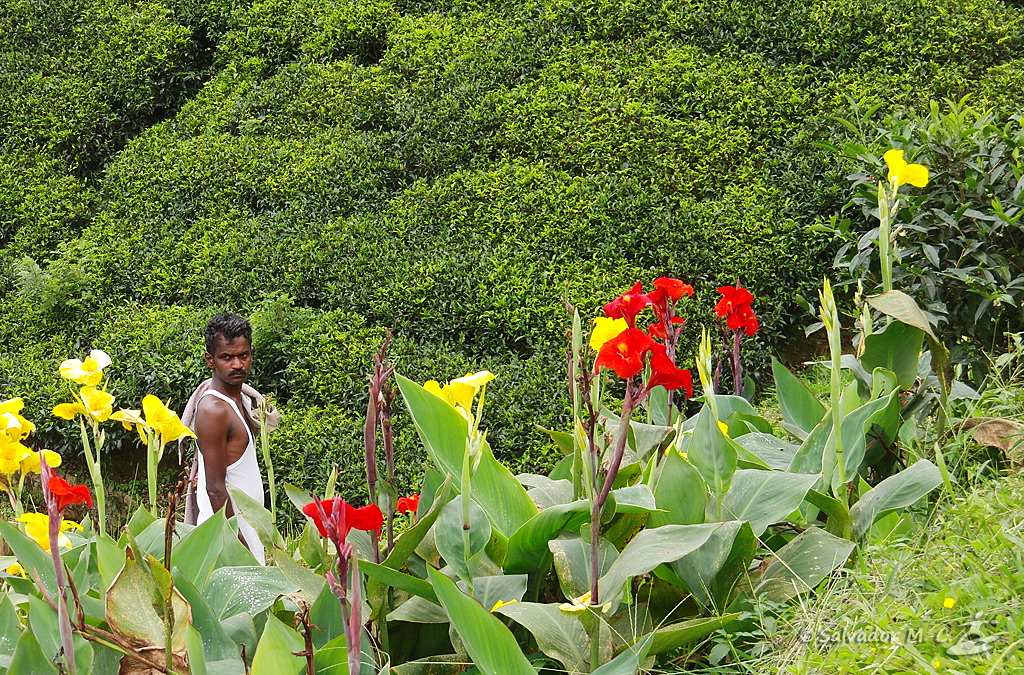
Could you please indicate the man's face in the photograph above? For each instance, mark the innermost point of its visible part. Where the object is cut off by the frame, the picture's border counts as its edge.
(231, 360)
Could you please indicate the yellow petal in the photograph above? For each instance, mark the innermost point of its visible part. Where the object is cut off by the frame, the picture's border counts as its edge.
(98, 403)
(15, 569)
(460, 394)
(902, 173)
(475, 380)
(68, 410)
(12, 405)
(916, 175)
(605, 329)
(501, 603)
(434, 387)
(128, 417)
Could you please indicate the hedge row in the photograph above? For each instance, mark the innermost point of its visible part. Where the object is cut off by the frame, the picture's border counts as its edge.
(454, 171)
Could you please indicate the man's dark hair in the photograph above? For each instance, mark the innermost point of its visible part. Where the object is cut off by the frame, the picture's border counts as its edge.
(228, 326)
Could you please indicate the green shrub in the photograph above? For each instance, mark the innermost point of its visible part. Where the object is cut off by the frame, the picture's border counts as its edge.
(959, 242)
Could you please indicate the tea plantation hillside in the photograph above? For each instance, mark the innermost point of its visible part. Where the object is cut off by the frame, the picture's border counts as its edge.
(454, 171)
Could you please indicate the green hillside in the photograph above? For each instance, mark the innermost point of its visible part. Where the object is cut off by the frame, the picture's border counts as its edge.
(453, 171)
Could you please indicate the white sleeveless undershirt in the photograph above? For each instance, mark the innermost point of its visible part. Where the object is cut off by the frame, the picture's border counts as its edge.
(243, 474)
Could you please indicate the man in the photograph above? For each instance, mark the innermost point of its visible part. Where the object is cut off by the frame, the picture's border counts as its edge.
(227, 446)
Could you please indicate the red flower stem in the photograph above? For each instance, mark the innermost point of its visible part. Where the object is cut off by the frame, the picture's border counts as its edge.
(737, 366)
(613, 470)
(63, 618)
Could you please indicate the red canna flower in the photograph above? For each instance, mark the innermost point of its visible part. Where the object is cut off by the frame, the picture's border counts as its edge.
(658, 329)
(625, 353)
(628, 305)
(734, 307)
(408, 504)
(342, 517)
(67, 494)
(666, 374)
(673, 288)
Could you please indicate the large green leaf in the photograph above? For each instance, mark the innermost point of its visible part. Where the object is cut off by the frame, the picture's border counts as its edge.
(902, 307)
(109, 559)
(258, 517)
(712, 453)
(774, 452)
(687, 632)
(883, 412)
(412, 537)
(490, 644)
(765, 497)
(800, 409)
(545, 491)
(309, 584)
(274, 652)
(196, 656)
(810, 455)
(712, 571)
(838, 513)
(249, 589)
(197, 552)
(647, 550)
(628, 662)
(29, 658)
(38, 565)
(216, 644)
(400, 580)
(895, 492)
(43, 623)
(800, 565)
(559, 634)
(137, 605)
(528, 546)
(572, 562)
(326, 616)
(896, 348)
(10, 628)
(680, 492)
(450, 534)
(443, 432)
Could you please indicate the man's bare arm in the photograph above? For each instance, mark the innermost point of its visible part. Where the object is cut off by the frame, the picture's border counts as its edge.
(213, 421)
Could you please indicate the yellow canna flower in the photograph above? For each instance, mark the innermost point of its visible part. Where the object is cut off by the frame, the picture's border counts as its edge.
(37, 527)
(475, 380)
(31, 462)
(163, 420)
(11, 456)
(91, 402)
(459, 393)
(902, 173)
(15, 569)
(88, 372)
(501, 603)
(12, 425)
(129, 417)
(606, 329)
(580, 604)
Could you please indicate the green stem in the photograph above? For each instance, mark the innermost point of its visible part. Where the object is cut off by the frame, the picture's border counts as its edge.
(265, 447)
(885, 235)
(93, 463)
(152, 463)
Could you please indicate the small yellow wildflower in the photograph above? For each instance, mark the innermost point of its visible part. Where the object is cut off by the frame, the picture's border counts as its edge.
(15, 569)
(936, 663)
(948, 603)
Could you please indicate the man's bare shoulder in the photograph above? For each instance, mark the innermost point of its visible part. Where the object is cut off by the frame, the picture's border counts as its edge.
(213, 409)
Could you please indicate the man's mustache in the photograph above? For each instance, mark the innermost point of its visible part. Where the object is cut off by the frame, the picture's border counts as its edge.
(239, 371)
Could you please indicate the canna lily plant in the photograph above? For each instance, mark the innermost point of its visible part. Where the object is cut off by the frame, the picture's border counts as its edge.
(157, 425)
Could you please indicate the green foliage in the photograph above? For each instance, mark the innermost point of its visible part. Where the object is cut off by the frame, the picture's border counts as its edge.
(959, 241)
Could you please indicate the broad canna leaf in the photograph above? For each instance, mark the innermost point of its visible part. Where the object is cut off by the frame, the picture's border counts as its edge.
(559, 634)
(450, 535)
(802, 564)
(258, 516)
(680, 493)
(765, 497)
(572, 562)
(250, 589)
(711, 452)
(492, 647)
(896, 348)
(647, 550)
(628, 662)
(443, 432)
(687, 633)
(800, 409)
(895, 492)
(197, 552)
(713, 570)
(36, 562)
(274, 653)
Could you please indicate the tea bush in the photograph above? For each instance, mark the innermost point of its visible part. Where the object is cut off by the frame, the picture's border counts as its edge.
(452, 170)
